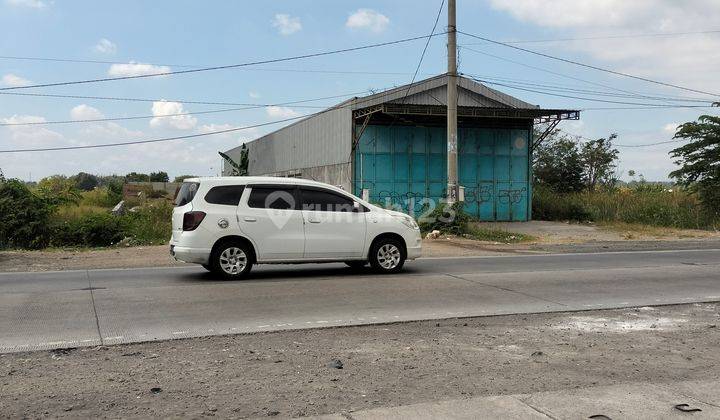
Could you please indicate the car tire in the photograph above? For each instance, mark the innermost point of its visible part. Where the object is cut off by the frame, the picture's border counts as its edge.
(387, 256)
(231, 260)
(356, 265)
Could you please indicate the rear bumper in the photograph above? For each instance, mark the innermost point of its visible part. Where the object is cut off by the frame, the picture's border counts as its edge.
(190, 255)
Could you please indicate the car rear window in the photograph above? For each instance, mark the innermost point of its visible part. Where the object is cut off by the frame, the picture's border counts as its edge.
(281, 198)
(227, 195)
(186, 193)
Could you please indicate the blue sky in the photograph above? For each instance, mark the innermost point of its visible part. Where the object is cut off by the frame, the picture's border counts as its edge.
(163, 35)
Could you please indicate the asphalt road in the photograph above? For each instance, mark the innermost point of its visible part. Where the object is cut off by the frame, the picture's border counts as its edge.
(102, 307)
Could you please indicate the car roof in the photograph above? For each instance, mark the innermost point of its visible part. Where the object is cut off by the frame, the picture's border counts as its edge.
(244, 180)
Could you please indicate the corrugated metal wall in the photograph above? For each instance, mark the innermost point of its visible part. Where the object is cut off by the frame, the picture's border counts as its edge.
(409, 164)
(318, 141)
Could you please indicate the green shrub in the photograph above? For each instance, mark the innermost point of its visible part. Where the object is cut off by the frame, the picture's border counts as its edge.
(95, 229)
(550, 205)
(100, 197)
(24, 215)
(449, 219)
(149, 224)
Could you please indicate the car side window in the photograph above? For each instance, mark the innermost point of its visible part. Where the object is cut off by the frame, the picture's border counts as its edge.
(279, 198)
(227, 195)
(324, 200)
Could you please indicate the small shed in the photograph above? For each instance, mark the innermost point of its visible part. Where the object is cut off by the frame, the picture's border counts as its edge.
(394, 145)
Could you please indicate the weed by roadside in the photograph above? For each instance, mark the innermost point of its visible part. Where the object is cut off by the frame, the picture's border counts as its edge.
(659, 207)
(498, 235)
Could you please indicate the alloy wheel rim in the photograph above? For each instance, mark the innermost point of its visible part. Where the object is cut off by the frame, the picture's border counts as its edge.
(233, 260)
(388, 256)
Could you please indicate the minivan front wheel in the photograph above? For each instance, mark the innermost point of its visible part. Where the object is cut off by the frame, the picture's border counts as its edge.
(231, 260)
(386, 256)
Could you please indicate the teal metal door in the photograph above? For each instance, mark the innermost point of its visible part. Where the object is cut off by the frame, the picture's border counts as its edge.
(406, 165)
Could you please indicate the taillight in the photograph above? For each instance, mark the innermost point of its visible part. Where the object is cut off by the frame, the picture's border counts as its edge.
(192, 219)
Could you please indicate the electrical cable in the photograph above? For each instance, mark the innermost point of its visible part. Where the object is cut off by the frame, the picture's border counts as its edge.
(346, 104)
(229, 66)
(577, 63)
(216, 111)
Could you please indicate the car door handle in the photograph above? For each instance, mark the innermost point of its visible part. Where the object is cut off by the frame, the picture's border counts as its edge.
(250, 219)
(313, 221)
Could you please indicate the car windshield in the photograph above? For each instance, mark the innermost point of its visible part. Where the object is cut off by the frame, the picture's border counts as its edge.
(186, 193)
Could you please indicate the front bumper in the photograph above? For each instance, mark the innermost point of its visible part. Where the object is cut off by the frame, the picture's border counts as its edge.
(414, 246)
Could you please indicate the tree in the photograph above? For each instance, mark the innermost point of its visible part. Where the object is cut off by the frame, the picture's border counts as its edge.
(58, 189)
(136, 177)
(557, 164)
(159, 177)
(238, 169)
(599, 160)
(699, 159)
(85, 181)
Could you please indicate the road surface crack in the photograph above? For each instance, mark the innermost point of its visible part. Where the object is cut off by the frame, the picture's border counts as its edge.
(92, 298)
(505, 289)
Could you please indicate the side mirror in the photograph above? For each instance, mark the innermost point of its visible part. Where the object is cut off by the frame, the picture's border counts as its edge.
(356, 207)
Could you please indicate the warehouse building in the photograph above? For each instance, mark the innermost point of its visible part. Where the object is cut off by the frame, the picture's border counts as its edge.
(393, 145)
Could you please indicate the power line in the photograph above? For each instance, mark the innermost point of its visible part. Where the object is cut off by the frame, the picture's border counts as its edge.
(215, 111)
(630, 108)
(195, 66)
(593, 92)
(422, 56)
(578, 136)
(166, 139)
(527, 41)
(229, 66)
(591, 38)
(553, 72)
(576, 97)
(577, 63)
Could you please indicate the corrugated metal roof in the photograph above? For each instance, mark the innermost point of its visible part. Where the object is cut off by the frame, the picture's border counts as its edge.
(433, 91)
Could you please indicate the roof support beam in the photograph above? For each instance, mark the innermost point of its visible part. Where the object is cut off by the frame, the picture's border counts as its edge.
(550, 128)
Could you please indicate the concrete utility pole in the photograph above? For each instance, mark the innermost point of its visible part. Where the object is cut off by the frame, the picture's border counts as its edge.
(452, 95)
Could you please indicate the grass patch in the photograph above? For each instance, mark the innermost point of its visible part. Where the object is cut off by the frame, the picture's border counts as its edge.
(660, 207)
(498, 235)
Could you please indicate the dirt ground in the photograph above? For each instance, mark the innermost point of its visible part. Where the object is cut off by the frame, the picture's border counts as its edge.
(551, 237)
(296, 373)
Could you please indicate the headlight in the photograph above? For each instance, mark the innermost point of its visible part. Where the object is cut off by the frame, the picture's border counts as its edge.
(407, 221)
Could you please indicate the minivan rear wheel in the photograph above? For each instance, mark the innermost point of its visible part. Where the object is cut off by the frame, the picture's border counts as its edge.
(231, 259)
(387, 256)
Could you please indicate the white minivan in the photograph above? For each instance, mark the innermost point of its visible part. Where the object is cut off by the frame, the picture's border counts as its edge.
(227, 224)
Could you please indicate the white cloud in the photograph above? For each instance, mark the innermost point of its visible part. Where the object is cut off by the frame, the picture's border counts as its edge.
(135, 69)
(689, 60)
(85, 112)
(12, 80)
(281, 112)
(671, 128)
(33, 4)
(368, 19)
(183, 121)
(286, 24)
(23, 136)
(105, 46)
(254, 95)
